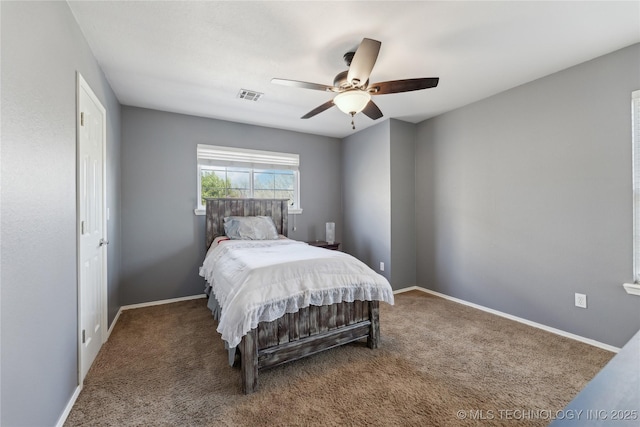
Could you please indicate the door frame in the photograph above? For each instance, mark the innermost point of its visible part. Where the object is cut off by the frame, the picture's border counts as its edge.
(83, 85)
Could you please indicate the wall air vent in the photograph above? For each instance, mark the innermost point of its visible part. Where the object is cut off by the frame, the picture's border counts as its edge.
(249, 95)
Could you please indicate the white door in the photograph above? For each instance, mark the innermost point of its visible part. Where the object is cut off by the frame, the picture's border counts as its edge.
(91, 225)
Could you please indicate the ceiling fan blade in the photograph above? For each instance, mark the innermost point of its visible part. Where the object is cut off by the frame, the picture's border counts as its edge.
(372, 111)
(363, 62)
(406, 85)
(304, 85)
(319, 109)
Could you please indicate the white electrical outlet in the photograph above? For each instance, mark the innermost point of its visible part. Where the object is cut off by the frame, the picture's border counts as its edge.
(381, 266)
(581, 300)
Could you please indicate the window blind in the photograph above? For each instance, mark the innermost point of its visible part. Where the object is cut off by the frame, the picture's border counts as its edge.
(213, 155)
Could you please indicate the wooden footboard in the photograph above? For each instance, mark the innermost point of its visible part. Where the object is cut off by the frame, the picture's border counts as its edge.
(309, 331)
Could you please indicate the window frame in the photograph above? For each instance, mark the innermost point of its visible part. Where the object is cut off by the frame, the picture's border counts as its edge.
(635, 125)
(634, 288)
(209, 156)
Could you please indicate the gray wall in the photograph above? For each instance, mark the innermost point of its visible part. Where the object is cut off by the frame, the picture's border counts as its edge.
(403, 213)
(525, 198)
(42, 48)
(366, 192)
(163, 241)
(378, 191)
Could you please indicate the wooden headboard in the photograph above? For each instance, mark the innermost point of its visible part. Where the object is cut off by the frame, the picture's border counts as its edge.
(217, 209)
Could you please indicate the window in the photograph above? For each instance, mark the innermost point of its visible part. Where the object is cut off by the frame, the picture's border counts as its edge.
(634, 288)
(635, 125)
(243, 173)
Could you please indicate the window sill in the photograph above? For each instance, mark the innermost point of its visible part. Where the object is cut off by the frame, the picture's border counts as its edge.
(632, 288)
(202, 212)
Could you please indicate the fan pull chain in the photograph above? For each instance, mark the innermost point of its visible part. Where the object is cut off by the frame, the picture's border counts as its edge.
(353, 125)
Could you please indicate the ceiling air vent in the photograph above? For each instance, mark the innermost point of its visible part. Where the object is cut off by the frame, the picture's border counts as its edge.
(249, 95)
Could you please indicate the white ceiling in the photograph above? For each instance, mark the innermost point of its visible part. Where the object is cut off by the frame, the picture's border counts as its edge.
(193, 57)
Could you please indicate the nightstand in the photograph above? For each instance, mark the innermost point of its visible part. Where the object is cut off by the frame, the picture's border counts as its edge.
(335, 246)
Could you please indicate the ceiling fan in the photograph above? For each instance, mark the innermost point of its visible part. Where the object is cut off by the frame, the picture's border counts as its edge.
(353, 88)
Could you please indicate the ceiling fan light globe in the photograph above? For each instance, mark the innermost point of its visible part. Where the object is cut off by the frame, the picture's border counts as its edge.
(352, 101)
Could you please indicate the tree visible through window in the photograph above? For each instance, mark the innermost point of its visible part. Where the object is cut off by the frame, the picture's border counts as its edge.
(214, 186)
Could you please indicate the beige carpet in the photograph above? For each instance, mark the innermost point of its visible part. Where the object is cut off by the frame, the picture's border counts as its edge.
(439, 362)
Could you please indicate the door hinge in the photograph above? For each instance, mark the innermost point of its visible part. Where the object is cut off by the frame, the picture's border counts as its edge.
(82, 227)
(82, 118)
(84, 338)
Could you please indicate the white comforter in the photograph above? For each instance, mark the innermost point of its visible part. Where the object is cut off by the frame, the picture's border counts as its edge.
(256, 281)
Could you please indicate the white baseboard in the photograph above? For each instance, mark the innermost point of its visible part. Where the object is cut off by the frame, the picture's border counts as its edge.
(515, 318)
(115, 319)
(410, 288)
(160, 302)
(67, 409)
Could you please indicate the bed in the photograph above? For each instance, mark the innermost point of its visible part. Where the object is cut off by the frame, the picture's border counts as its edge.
(312, 327)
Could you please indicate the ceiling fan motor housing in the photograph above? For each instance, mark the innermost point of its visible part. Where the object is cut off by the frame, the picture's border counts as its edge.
(348, 57)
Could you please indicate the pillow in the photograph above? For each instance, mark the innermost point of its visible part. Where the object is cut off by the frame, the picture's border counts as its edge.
(250, 228)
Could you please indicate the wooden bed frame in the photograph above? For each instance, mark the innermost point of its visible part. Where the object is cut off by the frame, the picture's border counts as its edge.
(294, 335)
